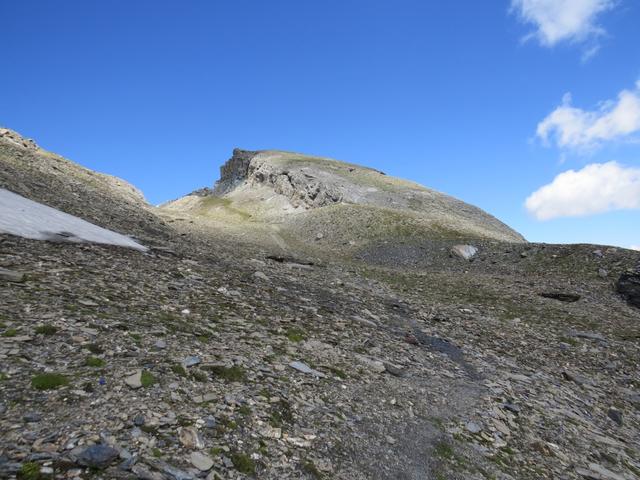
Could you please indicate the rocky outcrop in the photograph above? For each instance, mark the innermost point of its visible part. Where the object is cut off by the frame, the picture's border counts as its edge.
(302, 188)
(17, 140)
(234, 171)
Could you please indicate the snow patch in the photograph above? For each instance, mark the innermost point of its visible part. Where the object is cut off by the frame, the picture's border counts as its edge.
(25, 218)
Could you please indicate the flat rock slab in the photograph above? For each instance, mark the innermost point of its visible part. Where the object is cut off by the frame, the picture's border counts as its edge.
(201, 461)
(304, 368)
(97, 456)
(135, 380)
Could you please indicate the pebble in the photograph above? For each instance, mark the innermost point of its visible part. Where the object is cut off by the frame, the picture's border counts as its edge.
(160, 344)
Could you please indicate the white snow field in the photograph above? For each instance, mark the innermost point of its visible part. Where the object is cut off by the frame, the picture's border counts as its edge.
(25, 218)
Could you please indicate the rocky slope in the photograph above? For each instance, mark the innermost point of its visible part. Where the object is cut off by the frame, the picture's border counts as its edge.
(211, 358)
(30, 171)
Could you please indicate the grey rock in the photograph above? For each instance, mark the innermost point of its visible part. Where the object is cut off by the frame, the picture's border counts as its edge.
(587, 335)
(138, 420)
(11, 276)
(304, 368)
(191, 361)
(128, 463)
(511, 407)
(160, 344)
(615, 415)
(190, 438)
(261, 276)
(201, 461)
(576, 378)
(598, 472)
(135, 380)
(210, 422)
(175, 473)
(32, 417)
(97, 456)
(143, 473)
(473, 427)
(465, 252)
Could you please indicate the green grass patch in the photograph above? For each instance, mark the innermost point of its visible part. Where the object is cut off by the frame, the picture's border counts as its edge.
(94, 348)
(243, 463)
(338, 372)
(295, 334)
(230, 374)
(94, 362)
(179, 370)
(10, 332)
(30, 471)
(310, 468)
(208, 203)
(146, 379)
(443, 450)
(46, 329)
(199, 376)
(49, 381)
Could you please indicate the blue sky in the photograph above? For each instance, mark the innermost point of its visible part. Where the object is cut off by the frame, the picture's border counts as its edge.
(466, 97)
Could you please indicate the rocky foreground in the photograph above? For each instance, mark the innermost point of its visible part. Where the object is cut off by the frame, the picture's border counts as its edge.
(199, 362)
(306, 319)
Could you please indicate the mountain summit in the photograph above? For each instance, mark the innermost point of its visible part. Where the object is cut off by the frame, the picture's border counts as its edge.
(311, 201)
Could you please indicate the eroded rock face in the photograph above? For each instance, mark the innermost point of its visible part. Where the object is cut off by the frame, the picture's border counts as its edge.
(234, 171)
(302, 188)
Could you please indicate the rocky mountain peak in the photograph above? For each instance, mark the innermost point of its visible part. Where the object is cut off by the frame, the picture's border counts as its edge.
(234, 171)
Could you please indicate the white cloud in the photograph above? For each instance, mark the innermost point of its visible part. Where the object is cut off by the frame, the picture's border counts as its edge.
(573, 127)
(597, 188)
(635, 247)
(563, 20)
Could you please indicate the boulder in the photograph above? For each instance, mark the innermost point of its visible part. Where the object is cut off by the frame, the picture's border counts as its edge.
(466, 252)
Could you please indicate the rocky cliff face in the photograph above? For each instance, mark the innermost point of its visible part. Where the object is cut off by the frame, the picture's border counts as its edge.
(234, 171)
